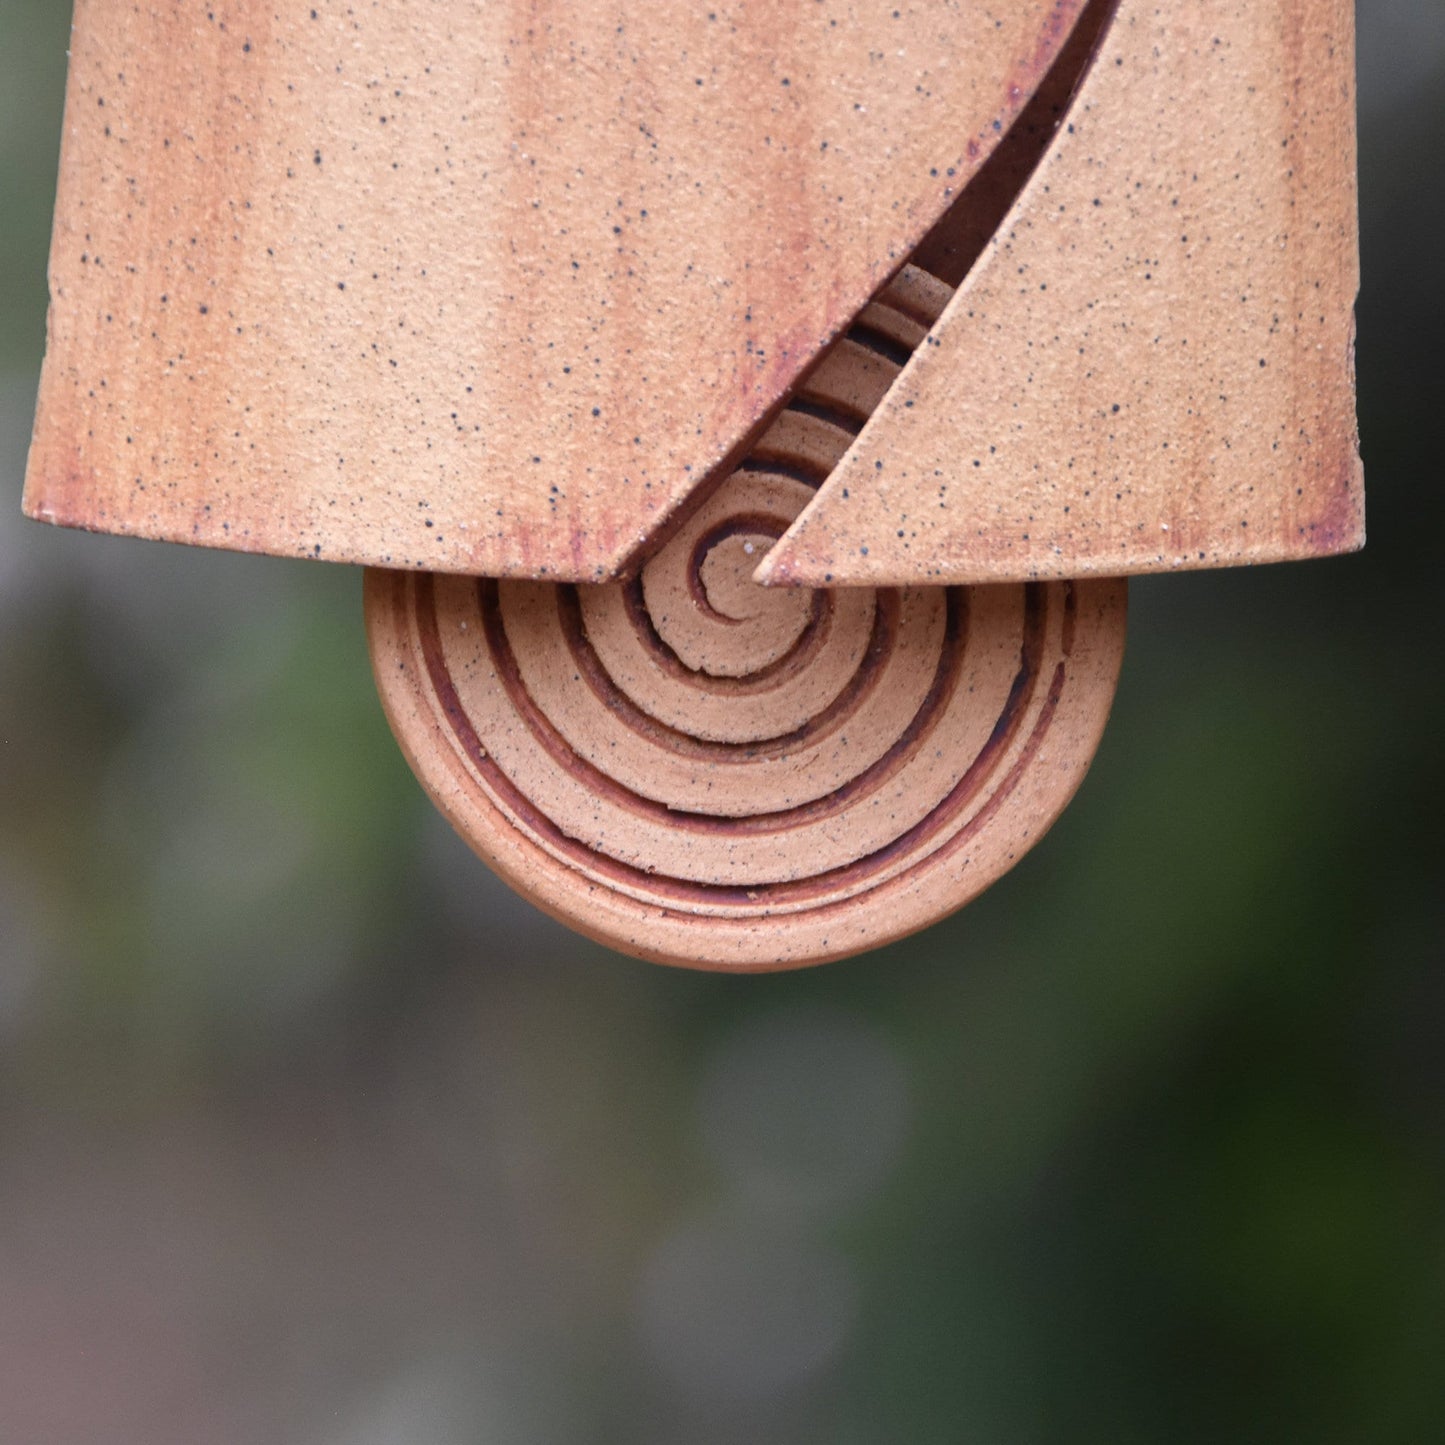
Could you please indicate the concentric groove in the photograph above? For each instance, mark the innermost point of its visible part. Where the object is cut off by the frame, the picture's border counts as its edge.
(868, 780)
(859, 685)
(765, 679)
(700, 770)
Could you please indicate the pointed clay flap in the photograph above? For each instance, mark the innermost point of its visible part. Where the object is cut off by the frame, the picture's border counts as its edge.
(478, 286)
(1151, 364)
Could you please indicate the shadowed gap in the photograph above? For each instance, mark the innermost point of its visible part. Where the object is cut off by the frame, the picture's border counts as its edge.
(950, 249)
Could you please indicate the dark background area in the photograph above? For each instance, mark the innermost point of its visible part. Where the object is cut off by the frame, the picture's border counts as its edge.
(311, 1132)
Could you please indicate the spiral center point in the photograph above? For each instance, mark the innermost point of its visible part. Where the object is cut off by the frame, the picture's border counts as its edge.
(726, 575)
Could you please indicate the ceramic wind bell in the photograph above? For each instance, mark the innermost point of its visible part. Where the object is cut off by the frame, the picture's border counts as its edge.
(747, 415)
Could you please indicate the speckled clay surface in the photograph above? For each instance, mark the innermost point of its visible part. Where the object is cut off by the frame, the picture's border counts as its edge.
(478, 287)
(1151, 365)
(700, 770)
(553, 299)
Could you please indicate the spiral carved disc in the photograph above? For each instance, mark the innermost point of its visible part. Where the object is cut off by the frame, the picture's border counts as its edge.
(700, 770)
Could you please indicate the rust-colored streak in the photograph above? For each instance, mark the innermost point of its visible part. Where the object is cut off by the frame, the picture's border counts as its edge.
(488, 289)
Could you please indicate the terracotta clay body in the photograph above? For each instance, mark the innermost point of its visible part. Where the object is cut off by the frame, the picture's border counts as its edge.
(1182, 268)
(753, 410)
(471, 287)
(699, 769)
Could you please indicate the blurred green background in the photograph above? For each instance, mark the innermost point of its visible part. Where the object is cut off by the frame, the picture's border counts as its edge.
(310, 1132)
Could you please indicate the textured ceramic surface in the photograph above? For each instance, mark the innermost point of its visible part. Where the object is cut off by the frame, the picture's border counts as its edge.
(581, 327)
(701, 770)
(1151, 365)
(479, 287)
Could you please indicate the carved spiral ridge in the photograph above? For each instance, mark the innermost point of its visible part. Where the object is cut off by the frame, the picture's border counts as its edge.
(701, 770)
